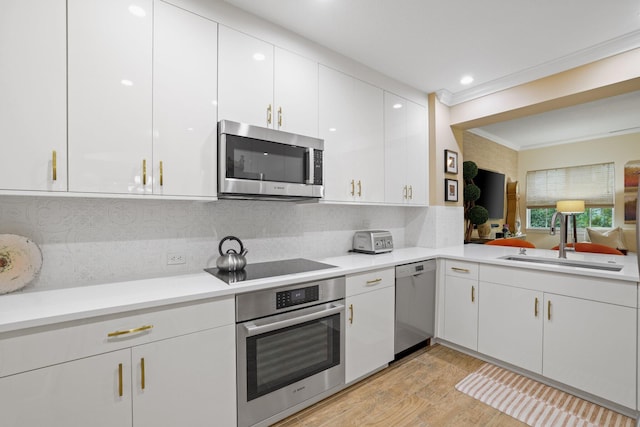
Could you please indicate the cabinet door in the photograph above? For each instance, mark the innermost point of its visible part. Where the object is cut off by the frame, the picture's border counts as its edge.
(369, 332)
(295, 93)
(184, 99)
(245, 79)
(510, 325)
(33, 95)
(110, 50)
(351, 124)
(591, 346)
(336, 90)
(417, 154)
(368, 141)
(461, 311)
(81, 393)
(395, 149)
(188, 380)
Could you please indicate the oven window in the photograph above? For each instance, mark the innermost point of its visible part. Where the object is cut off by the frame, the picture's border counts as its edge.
(249, 158)
(279, 358)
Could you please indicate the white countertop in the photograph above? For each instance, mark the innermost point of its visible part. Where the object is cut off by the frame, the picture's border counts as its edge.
(32, 309)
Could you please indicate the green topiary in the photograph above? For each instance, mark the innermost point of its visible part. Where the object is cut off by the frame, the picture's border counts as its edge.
(469, 170)
(471, 193)
(473, 215)
(478, 215)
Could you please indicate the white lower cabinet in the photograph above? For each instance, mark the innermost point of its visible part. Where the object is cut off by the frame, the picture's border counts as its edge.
(182, 380)
(370, 321)
(80, 393)
(514, 316)
(591, 346)
(461, 294)
(580, 331)
(140, 378)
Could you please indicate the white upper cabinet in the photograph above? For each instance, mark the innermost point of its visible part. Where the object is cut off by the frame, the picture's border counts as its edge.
(351, 124)
(245, 77)
(110, 74)
(417, 154)
(266, 86)
(295, 93)
(406, 151)
(33, 116)
(184, 103)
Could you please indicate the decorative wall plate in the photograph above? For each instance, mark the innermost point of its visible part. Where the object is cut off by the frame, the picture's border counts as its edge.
(20, 262)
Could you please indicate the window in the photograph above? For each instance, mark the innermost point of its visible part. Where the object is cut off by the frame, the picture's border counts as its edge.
(592, 217)
(592, 183)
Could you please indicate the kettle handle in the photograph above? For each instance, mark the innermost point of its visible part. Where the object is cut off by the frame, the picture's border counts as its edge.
(230, 238)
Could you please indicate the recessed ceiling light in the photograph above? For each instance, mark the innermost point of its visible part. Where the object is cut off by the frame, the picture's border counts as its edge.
(126, 82)
(396, 106)
(259, 56)
(137, 10)
(332, 129)
(466, 80)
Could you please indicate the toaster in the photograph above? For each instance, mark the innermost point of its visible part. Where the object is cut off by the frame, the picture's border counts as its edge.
(372, 241)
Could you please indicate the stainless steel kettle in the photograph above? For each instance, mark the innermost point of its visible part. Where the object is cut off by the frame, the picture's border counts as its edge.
(232, 260)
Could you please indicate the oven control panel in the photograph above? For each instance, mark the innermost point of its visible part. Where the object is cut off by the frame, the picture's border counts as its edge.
(296, 296)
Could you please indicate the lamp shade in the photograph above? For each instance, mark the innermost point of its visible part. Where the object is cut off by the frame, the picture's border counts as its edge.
(570, 206)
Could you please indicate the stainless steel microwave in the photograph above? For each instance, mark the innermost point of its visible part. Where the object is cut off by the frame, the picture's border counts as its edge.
(262, 163)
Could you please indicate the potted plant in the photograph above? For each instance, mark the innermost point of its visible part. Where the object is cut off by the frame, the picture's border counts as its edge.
(473, 214)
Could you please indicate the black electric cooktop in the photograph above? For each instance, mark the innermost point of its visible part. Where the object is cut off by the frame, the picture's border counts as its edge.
(261, 270)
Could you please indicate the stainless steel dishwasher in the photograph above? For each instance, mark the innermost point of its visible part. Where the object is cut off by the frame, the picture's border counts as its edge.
(415, 305)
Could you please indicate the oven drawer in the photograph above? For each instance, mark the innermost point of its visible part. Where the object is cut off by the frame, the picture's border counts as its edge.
(48, 345)
(369, 281)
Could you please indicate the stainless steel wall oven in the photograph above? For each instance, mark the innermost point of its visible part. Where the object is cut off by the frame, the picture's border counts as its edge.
(290, 347)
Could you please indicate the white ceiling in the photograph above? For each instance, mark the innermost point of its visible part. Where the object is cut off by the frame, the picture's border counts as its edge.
(431, 44)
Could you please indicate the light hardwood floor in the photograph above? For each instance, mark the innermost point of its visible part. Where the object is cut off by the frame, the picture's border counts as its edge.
(417, 391)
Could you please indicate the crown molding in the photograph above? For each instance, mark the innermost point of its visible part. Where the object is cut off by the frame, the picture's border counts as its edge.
(594, 53)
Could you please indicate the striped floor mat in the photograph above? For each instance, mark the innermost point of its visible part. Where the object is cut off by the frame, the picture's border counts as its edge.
(534, 403)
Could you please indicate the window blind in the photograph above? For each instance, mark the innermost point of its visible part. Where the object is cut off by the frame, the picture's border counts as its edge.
(591, 183)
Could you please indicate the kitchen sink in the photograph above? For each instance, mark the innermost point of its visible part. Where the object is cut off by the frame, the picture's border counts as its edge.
(609, 266)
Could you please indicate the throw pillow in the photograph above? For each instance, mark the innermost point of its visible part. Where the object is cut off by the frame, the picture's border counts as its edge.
(613, 238)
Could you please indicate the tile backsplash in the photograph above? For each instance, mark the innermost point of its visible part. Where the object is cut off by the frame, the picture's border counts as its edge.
(90, 241)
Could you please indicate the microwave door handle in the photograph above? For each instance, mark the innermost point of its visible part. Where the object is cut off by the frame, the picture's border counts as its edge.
(310, 167)
(252, 329)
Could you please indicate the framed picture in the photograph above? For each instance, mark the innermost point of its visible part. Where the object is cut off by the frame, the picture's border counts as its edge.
(450, 161)
(450, 190)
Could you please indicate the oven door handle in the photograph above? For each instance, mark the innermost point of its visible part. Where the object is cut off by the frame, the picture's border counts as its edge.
(252, 329)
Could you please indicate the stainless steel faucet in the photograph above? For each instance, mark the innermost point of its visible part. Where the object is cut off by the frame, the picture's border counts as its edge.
(562, 247)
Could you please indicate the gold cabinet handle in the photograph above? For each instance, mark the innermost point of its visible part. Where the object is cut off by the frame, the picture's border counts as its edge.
(269, 114)
(535, 308)
(142, 376)
(410, 192)
(351, 313)
(404, 192)
(359, 188)
(129, 331)
(460, 270)
(120, 379)
(473, 294)
(161, 174)
(353, 187)
(549, 310)
(279, 117)
(373, 282)
(54, 166)
(144, 172)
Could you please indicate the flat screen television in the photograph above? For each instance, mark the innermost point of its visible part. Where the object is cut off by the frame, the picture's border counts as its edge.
(492, 192)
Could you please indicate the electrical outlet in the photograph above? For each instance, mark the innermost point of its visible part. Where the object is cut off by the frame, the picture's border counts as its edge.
(175, 258)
